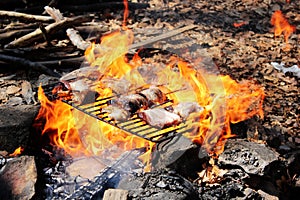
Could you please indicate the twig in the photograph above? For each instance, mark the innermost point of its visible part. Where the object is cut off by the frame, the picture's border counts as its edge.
(101, 6)
(77, 61)
(28, 63)
(24, 17)
(76, 39)
(51, 29)
(54, 13)
(11, 35)
(163, 36)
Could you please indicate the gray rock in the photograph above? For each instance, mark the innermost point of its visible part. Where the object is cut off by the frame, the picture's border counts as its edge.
(15, 125)
(252, 157)
(17, 178)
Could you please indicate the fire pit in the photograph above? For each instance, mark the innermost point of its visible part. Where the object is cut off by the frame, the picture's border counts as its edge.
(155, 119)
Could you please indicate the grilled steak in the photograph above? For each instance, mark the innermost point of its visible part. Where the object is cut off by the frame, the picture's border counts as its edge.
(184, 109)
(159, 117)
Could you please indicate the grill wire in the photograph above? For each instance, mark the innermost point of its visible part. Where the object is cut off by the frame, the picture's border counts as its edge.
(134, 125)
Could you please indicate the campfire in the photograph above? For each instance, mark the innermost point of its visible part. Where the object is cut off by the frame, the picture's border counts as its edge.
(149, 105)
(140, 120)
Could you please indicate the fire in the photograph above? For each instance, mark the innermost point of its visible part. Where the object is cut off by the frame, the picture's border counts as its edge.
(281, 25)
(17, 152)
(224, 100)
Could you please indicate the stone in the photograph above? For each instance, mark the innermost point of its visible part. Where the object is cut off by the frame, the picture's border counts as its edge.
(17, 178)
(115, 194)
(15, 125)
(86, 167)
(265, 195)
(252, 157)
(12, 89)
(179, 154)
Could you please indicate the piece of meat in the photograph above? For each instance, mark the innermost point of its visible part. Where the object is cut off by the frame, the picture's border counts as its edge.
(116, 113)
(159, 117)
(132, 102)
(154, 95)
(184, 109)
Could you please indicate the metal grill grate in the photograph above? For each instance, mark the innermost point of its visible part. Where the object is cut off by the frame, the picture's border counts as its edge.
(133, 125)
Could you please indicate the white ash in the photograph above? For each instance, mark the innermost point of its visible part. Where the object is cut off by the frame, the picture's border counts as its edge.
(293, 69)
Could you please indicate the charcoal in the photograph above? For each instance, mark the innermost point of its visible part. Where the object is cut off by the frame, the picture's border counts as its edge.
(158, 185)
(251, 157)
(233, 186)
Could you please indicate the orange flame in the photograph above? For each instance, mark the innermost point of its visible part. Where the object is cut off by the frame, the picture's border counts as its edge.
(281, 25)
(17, 152)
(125, 14)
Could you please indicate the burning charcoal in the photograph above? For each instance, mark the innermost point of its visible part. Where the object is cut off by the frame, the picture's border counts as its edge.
(184, 109)
(116, 113)
(159, 117)
(132, 102)
(154, 95)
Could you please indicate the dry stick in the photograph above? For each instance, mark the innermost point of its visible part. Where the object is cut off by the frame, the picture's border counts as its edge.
(24, 17)
(134, 46)
(73, 35)
(28, 63)
(51, 29)
(163, 36)
(11, 35)
(63, 62)
(21, 26)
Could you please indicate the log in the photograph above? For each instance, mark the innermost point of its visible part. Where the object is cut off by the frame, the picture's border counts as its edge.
(24, 17)
(51, 29)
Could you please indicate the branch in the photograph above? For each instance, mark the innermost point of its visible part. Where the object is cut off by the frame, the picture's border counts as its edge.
(24, 17)
(51, 29)
(28, 63)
